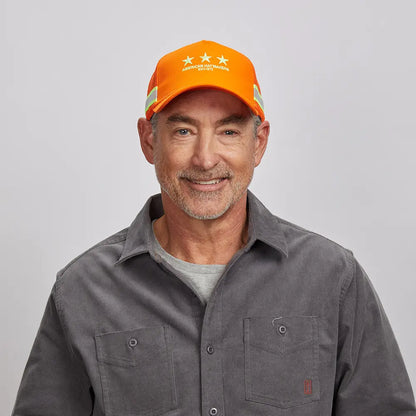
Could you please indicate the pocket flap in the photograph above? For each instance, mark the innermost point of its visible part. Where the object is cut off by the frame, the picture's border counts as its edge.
(280, 333)
(128, 348)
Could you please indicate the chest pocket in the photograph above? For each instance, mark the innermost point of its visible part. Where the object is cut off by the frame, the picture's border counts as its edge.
(136, 372)
(281, 360)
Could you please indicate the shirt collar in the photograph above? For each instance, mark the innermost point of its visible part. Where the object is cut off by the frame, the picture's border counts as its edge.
(263, 226)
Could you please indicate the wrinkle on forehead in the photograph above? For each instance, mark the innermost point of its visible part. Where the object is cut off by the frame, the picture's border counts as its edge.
(239, 119)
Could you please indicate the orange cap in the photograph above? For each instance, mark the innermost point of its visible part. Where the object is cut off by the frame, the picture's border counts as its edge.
(204, 64)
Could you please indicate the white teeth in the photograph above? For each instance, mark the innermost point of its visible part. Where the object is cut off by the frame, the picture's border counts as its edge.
(211, 182)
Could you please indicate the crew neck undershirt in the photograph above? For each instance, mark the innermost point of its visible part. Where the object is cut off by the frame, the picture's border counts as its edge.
(201, 277)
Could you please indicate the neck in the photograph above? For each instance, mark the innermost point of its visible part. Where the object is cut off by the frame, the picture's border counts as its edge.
(202, 241)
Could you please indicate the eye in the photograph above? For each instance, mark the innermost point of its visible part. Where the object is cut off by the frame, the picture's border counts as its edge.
(230, 132)
(182, 132)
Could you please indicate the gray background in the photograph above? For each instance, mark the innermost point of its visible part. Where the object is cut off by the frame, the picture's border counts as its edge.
(338, 79)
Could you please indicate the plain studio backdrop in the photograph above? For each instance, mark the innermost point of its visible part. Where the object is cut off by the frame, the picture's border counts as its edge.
(338, 80)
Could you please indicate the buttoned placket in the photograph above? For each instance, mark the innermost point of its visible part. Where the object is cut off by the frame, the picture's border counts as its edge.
(211, 356)
(212, 386)
(212, 400)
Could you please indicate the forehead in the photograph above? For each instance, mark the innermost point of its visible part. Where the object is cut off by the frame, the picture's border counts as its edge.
(206, 101)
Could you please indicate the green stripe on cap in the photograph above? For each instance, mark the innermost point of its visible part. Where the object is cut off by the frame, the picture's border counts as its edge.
(151, 98)
(258, 97)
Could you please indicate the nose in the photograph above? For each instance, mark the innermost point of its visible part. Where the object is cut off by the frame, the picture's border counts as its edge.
(205, 151)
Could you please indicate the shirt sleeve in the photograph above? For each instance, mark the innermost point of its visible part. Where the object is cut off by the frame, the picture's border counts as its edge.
(371, 378)
(54, 382)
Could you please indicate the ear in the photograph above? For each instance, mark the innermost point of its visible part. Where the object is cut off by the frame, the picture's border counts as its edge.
(144, 128)
(261, 141)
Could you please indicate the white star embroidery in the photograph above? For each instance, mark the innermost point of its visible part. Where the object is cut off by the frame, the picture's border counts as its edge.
(222, 60)
(205, 58)
(188, 60)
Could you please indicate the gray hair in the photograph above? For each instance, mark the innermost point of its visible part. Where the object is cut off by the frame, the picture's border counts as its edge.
(257, 122)
(153, 121)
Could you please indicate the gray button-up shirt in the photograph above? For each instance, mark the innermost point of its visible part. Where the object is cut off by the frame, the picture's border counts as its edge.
(292, 328)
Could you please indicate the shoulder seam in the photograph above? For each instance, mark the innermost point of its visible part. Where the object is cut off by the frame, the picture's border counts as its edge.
(348, 279)
(349, 256)
(120, 236)
(299, 228)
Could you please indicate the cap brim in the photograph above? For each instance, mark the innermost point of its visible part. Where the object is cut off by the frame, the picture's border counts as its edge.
(163, 103)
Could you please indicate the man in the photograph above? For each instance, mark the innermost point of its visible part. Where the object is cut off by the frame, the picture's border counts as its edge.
(208, 304)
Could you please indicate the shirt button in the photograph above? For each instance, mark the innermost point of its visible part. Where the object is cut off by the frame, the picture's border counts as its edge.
(133, 342)
(210, 349)
(282, 329)
(213, 411)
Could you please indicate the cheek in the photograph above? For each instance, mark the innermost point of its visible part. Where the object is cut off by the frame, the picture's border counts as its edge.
(168, 163)
(245, 160)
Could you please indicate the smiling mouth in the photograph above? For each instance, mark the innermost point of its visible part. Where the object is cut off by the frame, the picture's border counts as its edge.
(210, 182)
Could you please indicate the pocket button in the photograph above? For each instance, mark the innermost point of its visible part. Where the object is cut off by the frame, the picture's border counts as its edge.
(282, 329)
(133, 342)
(213, 411)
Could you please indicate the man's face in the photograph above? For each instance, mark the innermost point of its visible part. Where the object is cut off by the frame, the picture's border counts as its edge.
(205, 151)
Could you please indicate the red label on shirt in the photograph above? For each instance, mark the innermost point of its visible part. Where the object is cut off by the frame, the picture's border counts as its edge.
(307, 386)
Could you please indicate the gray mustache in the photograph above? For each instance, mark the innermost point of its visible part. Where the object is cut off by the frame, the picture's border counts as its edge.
(205, 176)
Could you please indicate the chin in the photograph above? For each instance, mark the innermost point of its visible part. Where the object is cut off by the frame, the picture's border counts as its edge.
(204, 213)
(205, 216)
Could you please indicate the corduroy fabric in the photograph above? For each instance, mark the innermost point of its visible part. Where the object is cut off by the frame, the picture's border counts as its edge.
(293, 328)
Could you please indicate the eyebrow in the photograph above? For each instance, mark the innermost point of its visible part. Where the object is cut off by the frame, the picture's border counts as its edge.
(179, 118)
(232, 119)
